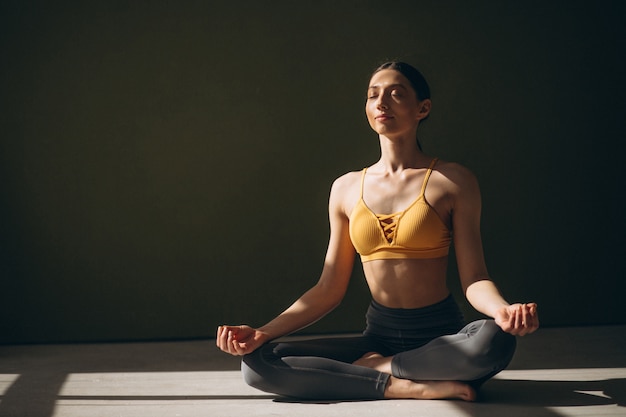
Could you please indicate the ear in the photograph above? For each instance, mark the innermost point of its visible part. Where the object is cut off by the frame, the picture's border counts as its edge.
(424, 107)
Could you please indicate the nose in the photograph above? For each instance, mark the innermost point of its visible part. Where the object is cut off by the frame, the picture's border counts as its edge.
(381, 102)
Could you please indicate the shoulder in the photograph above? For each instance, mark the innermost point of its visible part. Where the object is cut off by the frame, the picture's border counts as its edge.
(455, 176)
(347, 181)
(461, 185)
(345, 191)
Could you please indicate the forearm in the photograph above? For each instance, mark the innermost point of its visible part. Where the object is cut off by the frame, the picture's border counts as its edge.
(485, 297)
(309, 308)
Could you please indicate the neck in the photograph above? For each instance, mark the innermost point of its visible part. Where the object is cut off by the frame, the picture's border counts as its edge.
(397, 154)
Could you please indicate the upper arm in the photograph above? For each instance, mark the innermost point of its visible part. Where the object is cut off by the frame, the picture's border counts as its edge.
(340, 254)
(466, 228)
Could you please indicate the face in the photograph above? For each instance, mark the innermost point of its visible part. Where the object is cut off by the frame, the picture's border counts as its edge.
(392, 106)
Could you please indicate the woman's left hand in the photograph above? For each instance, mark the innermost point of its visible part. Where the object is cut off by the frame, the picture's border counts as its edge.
(518, 319)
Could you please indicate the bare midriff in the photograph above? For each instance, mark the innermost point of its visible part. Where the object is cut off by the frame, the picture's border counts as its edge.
(407, 283)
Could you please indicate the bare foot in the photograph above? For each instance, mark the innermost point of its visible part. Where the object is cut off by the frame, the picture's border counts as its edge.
(429, 390)
(376, 361)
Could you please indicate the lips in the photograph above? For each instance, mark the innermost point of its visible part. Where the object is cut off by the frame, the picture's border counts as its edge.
(383, 117)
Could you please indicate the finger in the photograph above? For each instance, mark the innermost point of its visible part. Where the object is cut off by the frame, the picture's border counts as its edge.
(230, 345)
(222, 338)
(519, 330)
(530, 322)
(534, 316)
(511, 319)
(218, 339)
(225, 339)
(238, 348)
(518, 318)
(220, 332)
(236, 332)
(534, 311)
(526, 319)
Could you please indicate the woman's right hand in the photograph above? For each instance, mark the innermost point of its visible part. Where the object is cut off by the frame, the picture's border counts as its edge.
(239, 340)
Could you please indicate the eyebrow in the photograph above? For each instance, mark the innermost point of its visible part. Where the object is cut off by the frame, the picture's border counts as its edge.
(390, 86)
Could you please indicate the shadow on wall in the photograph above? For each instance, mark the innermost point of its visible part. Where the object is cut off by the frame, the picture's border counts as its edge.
(154, 155)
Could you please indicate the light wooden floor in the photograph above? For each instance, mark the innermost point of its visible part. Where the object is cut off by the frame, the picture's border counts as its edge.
(556, 372)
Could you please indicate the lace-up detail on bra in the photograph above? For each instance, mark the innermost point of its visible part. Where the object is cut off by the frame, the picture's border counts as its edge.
(389, 224)
(415, 233)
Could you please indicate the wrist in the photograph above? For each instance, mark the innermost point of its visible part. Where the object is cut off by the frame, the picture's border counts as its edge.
(498, 308)
(264, 335)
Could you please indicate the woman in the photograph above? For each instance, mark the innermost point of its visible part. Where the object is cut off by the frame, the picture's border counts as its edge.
(415, 344)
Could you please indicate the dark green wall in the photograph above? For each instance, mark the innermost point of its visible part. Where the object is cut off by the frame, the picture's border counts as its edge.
(166, 168)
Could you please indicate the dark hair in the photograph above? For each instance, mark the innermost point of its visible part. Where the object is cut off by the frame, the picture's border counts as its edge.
(417, 80)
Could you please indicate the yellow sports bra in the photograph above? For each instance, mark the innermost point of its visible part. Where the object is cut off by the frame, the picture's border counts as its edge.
(415, 233)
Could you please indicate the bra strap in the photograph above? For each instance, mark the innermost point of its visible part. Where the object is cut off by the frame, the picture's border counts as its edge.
(362, 181)
(430, 170)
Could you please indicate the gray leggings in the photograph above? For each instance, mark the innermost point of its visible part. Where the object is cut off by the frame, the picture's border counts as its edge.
(428, 343)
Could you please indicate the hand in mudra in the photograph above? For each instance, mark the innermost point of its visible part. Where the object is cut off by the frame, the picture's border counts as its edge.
(518, 319)
(238, 340)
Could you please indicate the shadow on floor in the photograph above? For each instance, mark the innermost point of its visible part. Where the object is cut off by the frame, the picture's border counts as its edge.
(41, 371)
(529, 393)
(525, 398)
(555, 393)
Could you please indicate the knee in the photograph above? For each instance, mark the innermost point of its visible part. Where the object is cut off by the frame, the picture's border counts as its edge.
(258, 372)
(498, 347)
(250, 370)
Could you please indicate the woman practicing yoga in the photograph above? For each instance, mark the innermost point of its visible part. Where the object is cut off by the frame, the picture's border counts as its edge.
(400, 214)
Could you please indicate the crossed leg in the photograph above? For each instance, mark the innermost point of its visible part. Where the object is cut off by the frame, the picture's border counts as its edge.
(406, 388)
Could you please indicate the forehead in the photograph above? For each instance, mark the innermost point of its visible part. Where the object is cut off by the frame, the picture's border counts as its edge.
(388, 77)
